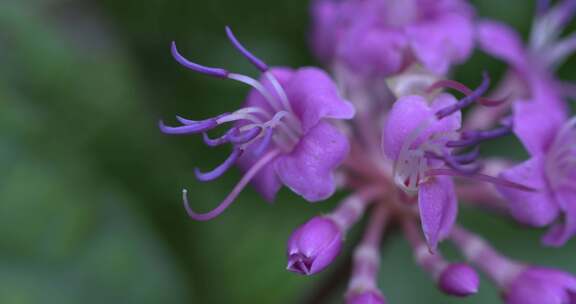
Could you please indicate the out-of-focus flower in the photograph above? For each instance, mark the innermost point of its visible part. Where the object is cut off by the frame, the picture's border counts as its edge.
(381, 38)
(551, 141)
(538, 285)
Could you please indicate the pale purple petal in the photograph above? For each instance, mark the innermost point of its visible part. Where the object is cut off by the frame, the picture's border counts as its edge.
(313, 96)
(308, 169)
(536, 124)
(438, 208)
(441, 42)
(410, 112)
(501, 41)
(374, 51)
(536, 208)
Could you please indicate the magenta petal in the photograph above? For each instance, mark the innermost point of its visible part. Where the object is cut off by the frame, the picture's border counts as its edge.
(438, 208)
(441, 42)
(408, 113)
(536, 124)
(501, 41)
(534, 208)
(560, 233)
(313, 96)
(308, 169)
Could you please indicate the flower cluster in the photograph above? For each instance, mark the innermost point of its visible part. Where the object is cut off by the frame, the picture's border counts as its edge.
(391, 124)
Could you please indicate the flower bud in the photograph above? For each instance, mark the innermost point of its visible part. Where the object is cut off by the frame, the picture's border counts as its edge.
(459, 280)
(313, 246)
(366, 297)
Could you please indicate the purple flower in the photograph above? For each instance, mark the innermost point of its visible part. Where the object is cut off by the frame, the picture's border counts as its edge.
(551, 170)
(544, 53)
(281, 136)
(377, 37)
(314, 245)
(411, 130)
(537, 285)
(459, 280)
(367, 297)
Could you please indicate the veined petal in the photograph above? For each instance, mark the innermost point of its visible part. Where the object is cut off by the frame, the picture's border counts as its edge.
(307, 170)
(438, 208)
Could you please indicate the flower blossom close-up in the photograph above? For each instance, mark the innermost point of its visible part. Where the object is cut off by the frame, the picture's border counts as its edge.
(311, 151)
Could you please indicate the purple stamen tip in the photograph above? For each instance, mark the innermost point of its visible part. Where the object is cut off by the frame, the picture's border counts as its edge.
(216, 141)
(221, 169)
(257, 62)
(466, 101)
(216, 72)
(197, 127)
(265, 143)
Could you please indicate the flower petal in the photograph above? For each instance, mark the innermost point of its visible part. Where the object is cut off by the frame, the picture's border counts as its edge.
(307, 170)
(501, 41)
(440, 42)
(408, 113)
(560, 233)
(536, 124)
(374, 51)
(438, 208)
(534, 208)
(313, 96)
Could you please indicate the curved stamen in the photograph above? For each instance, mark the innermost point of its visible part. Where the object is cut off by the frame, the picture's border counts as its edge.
(197, 127)
(480, 177)
(258, 86)
(451, 161)
(468, 100)
(221, 169)
(186, 121)
(219, 140)
(210, 71)
(265, 143)
(471, 138)
(279, 91)
(245, 136)
(468, 157)
(455, 85)
(257, 62)
(261, 163)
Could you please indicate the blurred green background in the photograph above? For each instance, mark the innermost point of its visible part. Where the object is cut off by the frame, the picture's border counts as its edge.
(90, 208)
